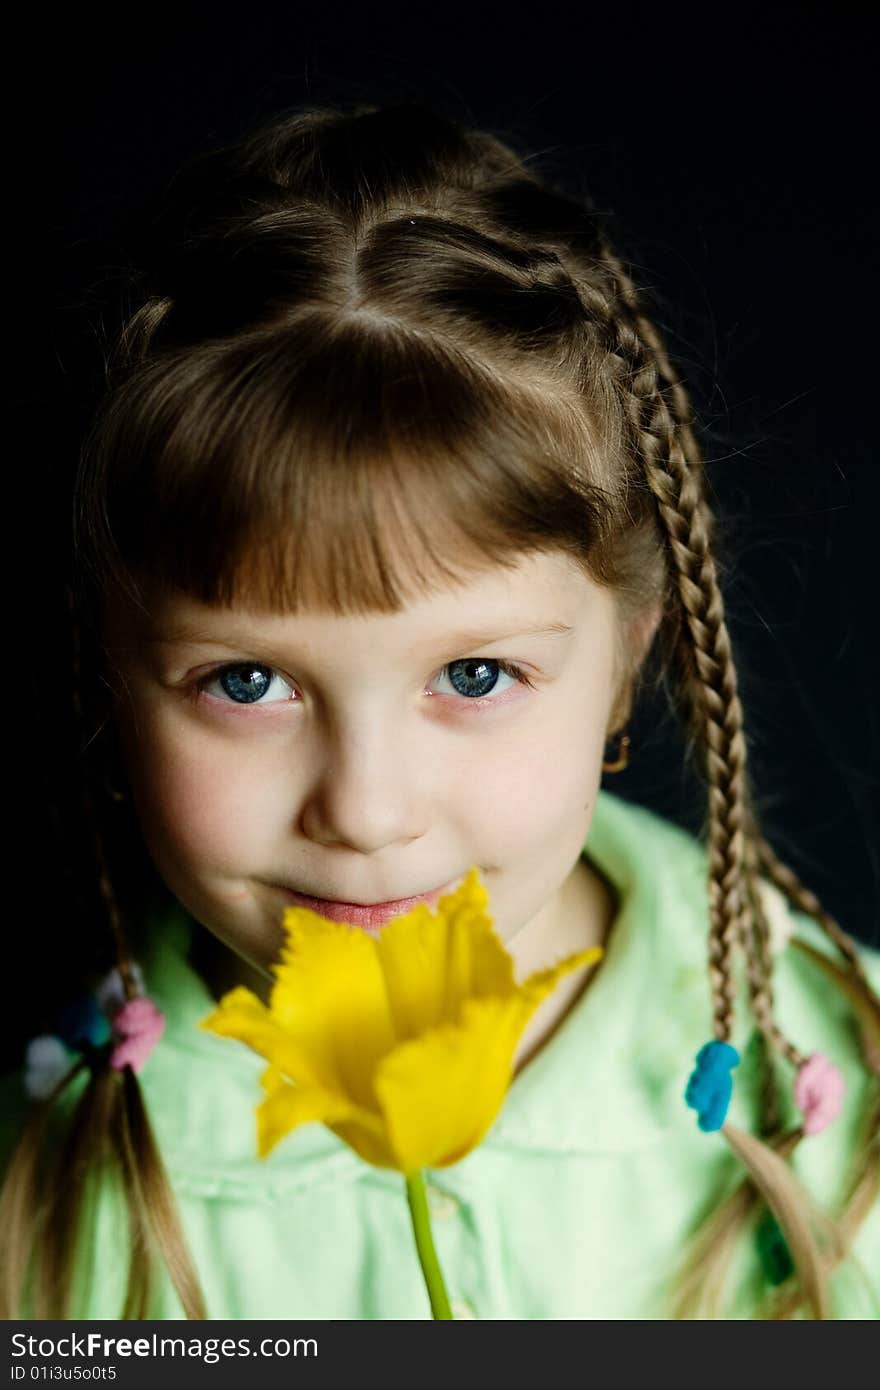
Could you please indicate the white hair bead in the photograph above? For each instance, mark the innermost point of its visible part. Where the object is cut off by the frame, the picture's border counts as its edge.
(46, 1060)
(110, 993)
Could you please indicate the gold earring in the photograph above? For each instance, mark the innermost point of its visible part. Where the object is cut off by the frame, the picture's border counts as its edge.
(622, 759)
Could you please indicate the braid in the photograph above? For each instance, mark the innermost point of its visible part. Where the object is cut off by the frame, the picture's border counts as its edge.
(659, 411)
(759, 966)
(109, 1121)
(759, 854)
(664, 447)
(672, 422)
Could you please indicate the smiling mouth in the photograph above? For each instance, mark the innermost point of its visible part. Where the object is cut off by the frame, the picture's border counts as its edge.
(369, 916)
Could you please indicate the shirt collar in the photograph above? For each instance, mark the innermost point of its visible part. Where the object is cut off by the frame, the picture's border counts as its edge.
(611, 1077)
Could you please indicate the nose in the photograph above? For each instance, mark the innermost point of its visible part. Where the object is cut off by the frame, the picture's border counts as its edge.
(368, 792)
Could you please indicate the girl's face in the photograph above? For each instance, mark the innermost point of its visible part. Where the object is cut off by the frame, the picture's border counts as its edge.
(368, 759)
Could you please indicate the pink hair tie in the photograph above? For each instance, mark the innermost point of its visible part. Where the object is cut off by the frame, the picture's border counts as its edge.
(139, 1025)
(818, 1092)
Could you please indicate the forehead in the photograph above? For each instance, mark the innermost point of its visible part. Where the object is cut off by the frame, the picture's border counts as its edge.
(538, 589)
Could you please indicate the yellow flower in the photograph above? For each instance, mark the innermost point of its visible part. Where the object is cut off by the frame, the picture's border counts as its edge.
(402, 1043)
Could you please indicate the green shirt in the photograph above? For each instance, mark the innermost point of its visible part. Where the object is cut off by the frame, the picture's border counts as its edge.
(579, 1201)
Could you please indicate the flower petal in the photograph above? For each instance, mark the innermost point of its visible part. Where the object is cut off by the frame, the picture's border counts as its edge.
(542, 982)
(286, 1107)
(241, 1015)
(441, 1092)
(434, 960)
(331, 1001)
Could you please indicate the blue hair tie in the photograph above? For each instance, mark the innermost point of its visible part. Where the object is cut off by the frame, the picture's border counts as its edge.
(710, 1084)
(82, 1024)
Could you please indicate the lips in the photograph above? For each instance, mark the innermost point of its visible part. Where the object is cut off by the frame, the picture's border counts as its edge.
(368, 916)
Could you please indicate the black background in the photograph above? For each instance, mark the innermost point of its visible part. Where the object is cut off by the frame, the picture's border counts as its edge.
(737, 145)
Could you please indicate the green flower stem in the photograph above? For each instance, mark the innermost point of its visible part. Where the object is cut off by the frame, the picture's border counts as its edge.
(418, 1206)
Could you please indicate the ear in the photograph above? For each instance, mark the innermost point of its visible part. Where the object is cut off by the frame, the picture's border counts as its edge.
(641, 635)
(643, 631)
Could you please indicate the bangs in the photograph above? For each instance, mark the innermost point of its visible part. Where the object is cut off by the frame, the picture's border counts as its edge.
(334, 468)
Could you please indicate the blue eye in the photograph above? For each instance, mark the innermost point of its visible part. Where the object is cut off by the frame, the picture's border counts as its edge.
(474, 676)
(246, 682)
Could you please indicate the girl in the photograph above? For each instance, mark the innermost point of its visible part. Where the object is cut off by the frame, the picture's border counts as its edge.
(391, 492)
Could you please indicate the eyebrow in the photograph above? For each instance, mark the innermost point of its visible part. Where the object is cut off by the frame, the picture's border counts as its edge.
(473, 638)
(195, 635)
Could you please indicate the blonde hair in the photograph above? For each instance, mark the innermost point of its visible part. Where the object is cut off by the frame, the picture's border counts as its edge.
(371, 351)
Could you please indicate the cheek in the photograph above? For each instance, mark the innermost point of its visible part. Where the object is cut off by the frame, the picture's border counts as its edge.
(537, 787)
(199, 805)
